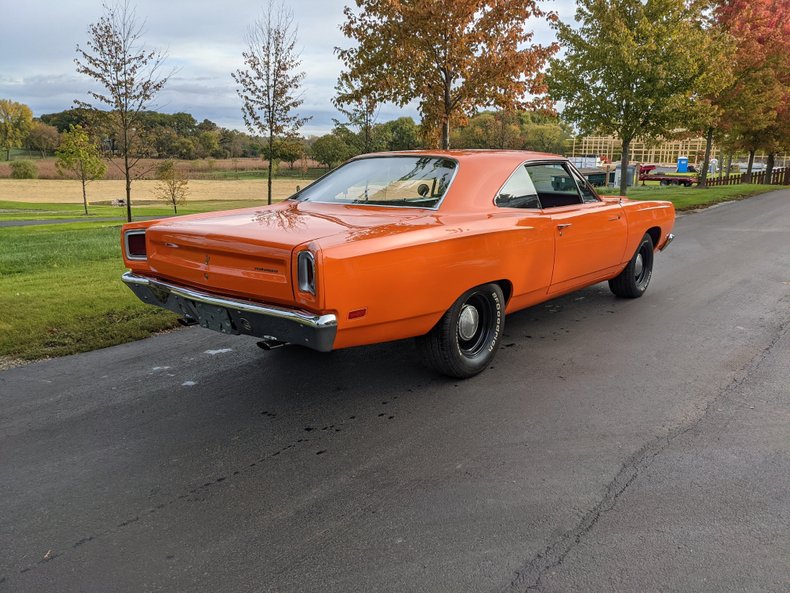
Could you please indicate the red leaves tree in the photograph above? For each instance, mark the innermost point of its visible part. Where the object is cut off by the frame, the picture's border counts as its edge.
(757, 105)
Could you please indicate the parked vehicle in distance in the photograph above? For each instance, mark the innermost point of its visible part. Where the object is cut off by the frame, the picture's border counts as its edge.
(434, 245)
(648, 173)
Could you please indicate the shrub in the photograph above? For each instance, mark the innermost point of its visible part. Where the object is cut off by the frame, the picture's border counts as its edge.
(23, 170)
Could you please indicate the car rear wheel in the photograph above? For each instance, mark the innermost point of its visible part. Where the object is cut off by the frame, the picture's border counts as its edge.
(467, 336)
(633, 280)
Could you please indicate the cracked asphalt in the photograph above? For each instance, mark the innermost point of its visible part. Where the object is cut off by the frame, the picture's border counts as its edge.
(614, 445)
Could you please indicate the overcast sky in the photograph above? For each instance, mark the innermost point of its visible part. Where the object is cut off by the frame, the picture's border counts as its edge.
(204, 40)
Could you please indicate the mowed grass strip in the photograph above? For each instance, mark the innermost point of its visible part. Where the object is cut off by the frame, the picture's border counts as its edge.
(691, 198)
(61, 292)
(56, 211)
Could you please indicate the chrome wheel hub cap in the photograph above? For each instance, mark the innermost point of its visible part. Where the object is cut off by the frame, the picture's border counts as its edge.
(468, 322)
(639, 266)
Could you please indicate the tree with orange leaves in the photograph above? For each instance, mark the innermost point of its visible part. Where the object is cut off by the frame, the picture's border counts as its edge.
(757, 104)
(453, 56)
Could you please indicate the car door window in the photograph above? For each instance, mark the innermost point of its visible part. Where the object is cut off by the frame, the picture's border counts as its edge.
(588, 195)
(554, 184)
(518, 192)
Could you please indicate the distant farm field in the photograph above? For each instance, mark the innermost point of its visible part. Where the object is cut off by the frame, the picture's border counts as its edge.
(66, 191)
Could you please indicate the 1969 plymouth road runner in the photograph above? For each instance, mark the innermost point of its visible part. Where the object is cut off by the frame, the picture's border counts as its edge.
(435, 245)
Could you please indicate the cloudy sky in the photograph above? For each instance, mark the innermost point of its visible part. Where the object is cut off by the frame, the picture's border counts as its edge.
(204, 40)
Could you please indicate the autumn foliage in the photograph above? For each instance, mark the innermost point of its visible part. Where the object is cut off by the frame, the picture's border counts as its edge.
(452, 56)
(757, 105)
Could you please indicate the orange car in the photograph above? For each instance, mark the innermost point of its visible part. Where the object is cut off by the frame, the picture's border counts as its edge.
(437, 245)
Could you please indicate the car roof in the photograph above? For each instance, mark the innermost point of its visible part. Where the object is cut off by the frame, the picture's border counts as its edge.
(516, 157)
(480, 175)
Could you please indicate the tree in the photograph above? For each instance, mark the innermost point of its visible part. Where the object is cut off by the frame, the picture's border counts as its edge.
(330, 150)
(43, 138)
(453, 57)
(359, 109)
(402, 134)
(173, 185)
(630, 69)
(290, 150)
(16, 120)
(756, 105)
(130, 75)
(63, 120)
(21, 169)
(79, 156)
(269, 84)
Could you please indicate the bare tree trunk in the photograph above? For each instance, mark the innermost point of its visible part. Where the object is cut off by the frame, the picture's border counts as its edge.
(84, 197)
(729, 167)
(624, 167)
(446, 133)
(271, 168)
(127, 172)
(446, 116)
(769, 167)
(749, 167)
(703, 176)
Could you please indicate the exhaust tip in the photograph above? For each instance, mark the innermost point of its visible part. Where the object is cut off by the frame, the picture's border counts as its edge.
(270, 344)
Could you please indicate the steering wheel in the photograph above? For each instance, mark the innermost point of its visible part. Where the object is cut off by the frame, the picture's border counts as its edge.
(423, 189)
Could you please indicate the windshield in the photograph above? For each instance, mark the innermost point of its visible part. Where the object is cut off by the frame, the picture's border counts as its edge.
(415, 181)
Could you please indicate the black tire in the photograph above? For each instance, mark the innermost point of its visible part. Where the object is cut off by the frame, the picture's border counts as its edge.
(633, 280)
(462, 349)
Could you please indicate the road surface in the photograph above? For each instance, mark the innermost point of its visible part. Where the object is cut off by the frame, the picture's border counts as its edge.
(614, 445)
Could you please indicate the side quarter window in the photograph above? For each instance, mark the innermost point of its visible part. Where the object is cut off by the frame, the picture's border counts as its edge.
(518, 191)
(554, 184)
(588, 195)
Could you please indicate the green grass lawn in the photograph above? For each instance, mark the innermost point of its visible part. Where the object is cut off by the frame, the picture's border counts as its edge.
(690, 198)
(30, 211)
(61, 290)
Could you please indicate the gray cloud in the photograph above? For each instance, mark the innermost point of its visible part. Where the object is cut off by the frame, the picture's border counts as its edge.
(204, 41)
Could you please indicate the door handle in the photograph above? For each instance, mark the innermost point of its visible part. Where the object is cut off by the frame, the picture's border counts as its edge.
(615, 218)
(562, 227)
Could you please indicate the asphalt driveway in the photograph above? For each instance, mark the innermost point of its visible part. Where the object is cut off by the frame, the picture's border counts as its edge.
(614, 445)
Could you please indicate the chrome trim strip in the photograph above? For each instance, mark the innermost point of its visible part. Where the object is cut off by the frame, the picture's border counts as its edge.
(302, 317)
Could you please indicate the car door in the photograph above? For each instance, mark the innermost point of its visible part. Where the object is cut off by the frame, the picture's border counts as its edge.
(590, 234)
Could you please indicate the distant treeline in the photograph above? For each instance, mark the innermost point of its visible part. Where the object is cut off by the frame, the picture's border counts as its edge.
(181, 136)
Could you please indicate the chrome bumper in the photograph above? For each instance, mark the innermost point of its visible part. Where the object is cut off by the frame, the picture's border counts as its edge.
(236, 316)
(670, 236)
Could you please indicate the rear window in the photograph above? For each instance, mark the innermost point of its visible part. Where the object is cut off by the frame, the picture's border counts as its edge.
(406, 181)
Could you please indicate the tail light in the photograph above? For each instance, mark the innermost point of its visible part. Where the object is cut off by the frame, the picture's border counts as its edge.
(306, 272)
(135, 245)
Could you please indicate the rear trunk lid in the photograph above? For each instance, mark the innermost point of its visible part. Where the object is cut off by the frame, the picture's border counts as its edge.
(248, 252)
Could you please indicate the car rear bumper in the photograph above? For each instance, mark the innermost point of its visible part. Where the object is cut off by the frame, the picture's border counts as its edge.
(236, 316)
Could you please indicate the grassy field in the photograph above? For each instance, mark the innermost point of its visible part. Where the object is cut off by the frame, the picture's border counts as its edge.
(44, 212)
(61, 290)
(65, 191)
(690, 198)
(193, 169)
(61, 283)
